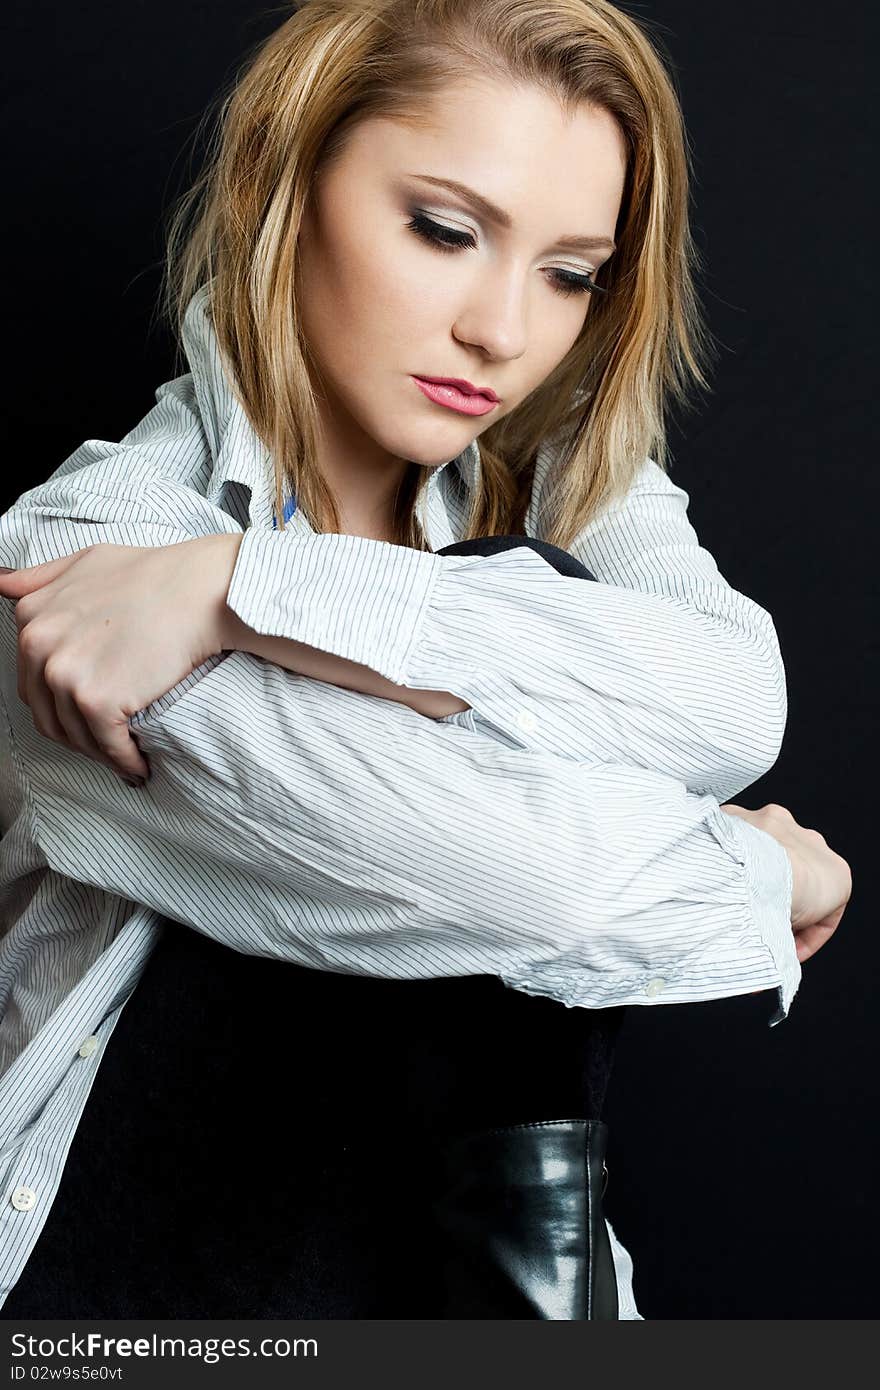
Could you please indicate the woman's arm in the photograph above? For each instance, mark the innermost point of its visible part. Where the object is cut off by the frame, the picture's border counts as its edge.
(334, 829)
(330, 828)
(336, 670)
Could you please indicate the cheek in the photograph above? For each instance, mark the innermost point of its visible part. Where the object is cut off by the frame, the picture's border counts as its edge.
(391, 301)
(552, 338)
(338, 304)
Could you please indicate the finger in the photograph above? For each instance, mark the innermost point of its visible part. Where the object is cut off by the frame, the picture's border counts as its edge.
(804, 950)
(113, 737)
(33, 691)
(811, 939)
(80, 739)
(21, 670)
(15, 583)
(79, 736)
(121, 747)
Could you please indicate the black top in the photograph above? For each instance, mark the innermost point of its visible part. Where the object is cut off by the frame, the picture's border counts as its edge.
(442, 1055)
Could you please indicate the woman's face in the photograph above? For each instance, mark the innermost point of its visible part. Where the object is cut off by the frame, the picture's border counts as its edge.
(382, 305)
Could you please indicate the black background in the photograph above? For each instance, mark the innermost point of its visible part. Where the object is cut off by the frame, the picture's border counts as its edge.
(742, 1158)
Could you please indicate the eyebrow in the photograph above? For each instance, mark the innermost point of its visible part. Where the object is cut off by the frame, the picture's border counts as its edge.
(503, 219)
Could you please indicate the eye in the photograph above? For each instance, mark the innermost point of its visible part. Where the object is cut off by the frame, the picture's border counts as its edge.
(447, 239)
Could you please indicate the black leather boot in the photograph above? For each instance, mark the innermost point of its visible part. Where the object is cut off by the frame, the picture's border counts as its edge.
(520, 1218)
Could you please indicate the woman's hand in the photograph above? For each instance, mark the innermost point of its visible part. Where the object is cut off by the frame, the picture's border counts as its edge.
(107, 630)
(822, 881)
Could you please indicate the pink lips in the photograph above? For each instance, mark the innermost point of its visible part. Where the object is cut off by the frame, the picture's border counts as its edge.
(458, 395)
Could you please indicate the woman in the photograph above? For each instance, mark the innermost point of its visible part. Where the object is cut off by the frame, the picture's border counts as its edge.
(489, 192)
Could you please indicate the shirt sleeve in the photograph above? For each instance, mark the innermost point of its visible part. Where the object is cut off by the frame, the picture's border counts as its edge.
(315, 824)
(150, 488)
(662, 665)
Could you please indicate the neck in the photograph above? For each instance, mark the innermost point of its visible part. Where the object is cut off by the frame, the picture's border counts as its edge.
(363, 479)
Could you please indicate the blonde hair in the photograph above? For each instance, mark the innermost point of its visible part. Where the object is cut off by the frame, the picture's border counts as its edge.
(335, 63)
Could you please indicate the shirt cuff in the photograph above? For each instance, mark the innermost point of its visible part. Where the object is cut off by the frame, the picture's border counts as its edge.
(358, 598)
(770, 882)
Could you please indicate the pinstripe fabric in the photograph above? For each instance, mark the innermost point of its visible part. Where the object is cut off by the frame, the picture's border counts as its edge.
(563, 833)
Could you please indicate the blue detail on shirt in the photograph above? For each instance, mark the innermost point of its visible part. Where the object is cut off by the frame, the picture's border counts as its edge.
(289, 509)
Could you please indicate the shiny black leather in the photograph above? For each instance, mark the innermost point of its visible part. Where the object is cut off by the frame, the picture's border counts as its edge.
(522, 1229)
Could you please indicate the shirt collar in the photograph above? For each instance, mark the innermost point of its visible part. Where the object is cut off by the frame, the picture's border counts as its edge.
(244, 459)
(468, 465)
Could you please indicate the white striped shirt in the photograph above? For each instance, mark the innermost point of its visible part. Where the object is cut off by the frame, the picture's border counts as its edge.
(563, 833)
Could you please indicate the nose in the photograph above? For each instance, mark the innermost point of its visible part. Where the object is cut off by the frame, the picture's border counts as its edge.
(494, 316)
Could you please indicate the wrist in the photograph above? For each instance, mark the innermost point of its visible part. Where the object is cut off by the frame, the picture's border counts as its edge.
(216, 559)
(800, 871)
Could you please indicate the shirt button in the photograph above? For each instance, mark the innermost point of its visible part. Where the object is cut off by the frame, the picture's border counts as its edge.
(23, 1198)
(655, 987)
(89, 1046)
(526, 720)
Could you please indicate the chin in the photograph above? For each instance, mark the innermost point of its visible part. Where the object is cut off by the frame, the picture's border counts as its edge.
(434, 462)
(443, 441)
(427, 453)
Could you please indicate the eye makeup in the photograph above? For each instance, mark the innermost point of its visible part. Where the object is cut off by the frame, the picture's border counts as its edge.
(448, 239)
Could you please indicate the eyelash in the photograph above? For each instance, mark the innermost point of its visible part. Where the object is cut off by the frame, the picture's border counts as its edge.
(447, 239)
